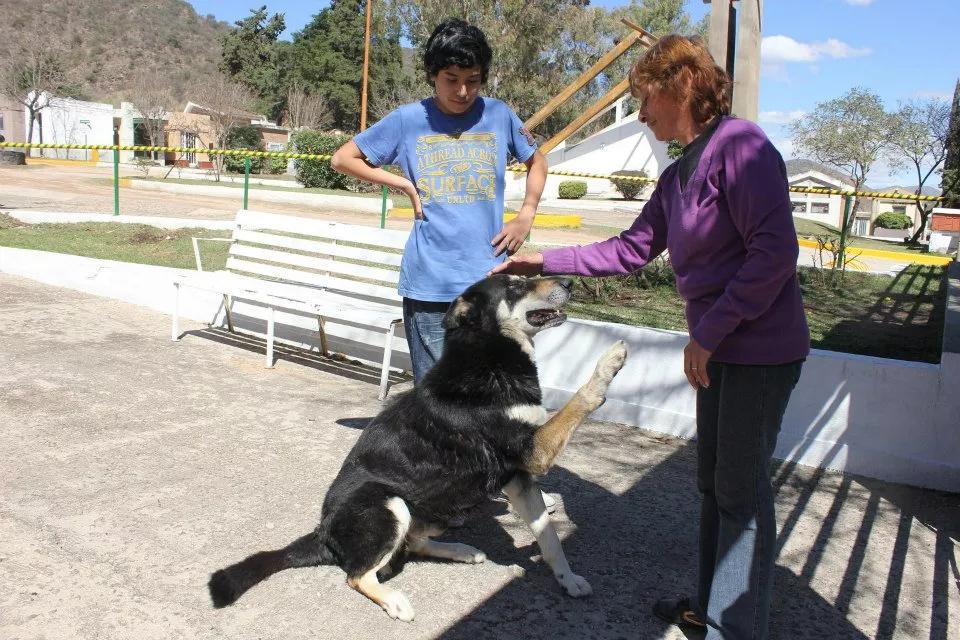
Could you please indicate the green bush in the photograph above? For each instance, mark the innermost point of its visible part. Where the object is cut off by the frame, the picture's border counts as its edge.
(276, 166)
(243, 138)
(891, 220)
(319, 173)
(572, 189)
(630, 189)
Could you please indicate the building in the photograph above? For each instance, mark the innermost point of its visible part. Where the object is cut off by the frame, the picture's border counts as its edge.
(818, 207)
(69, 121)
(12, 120)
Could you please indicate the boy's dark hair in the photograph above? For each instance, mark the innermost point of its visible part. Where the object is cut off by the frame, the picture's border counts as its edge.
(454, 42)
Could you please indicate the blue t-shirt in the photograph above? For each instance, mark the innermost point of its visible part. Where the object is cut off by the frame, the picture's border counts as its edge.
(458, 164)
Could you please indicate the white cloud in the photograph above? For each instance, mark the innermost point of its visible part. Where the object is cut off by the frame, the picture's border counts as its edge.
(780, 49)
(781, 117)
(859, 3)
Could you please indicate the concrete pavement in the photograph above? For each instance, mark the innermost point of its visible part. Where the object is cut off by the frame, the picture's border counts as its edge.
(132, 466)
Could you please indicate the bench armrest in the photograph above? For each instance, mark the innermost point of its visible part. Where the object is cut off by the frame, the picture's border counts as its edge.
(196, 247)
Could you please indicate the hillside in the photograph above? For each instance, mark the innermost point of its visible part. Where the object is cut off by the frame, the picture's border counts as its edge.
(112, 41)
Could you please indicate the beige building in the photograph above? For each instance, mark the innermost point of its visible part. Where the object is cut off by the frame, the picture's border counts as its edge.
(13, 121)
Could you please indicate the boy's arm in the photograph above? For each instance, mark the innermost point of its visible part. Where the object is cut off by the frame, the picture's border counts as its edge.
(349, 159)
(515, 232)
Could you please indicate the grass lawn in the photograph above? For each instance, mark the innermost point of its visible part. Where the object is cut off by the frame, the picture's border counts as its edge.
(888, 316)
(809, 228)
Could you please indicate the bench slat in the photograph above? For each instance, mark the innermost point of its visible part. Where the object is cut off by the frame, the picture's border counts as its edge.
(314, 279)
(320, 228)
(314, 246)
(319, 264)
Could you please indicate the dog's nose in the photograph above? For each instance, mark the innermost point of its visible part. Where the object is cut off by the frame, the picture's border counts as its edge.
(566, 283)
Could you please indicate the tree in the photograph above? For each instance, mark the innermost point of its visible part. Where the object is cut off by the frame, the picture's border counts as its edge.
(849, 133)
(918, 139)
(34, 71)
(305, 110)
(151, 100)
(253, 56)
(228, 104)
(326, 58)
(950, 182)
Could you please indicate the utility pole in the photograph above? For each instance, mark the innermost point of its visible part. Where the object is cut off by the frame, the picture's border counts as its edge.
(735, 38)
(366, 67)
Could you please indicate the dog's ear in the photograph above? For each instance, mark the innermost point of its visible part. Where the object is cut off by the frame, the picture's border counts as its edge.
(462, 313)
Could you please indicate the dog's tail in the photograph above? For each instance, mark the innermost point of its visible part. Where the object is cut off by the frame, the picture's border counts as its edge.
(227, 585)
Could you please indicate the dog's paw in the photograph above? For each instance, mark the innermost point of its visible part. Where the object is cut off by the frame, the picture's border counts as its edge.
(466, 553)
(398, 607)
(611, 362)
(575, 586)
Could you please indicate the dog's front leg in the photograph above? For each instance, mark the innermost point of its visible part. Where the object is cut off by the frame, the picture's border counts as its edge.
(550, 439)
(527, 500)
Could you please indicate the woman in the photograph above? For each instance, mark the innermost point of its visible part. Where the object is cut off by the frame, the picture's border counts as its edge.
(723, 212)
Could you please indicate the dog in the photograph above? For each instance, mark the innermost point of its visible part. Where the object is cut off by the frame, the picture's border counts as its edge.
(473, 427)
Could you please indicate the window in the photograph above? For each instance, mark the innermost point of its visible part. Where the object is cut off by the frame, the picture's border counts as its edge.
(819, 207)
(1, 123)
(189, 140)
(900, 208)
(798, 206)
(276, 146)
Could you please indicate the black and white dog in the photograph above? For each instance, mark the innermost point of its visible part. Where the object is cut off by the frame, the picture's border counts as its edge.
(473, 427)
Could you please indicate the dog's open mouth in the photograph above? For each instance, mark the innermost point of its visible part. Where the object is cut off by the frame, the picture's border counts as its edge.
(543, 318)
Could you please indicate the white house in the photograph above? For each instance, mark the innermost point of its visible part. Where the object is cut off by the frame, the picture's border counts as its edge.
(69, 121)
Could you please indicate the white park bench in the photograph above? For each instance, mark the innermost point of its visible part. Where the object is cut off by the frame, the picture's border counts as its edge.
(331, 270)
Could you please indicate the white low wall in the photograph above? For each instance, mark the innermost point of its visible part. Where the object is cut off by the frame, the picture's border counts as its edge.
(887, 419)
(328, 201)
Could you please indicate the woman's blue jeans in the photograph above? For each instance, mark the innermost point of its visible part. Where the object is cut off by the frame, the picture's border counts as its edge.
(423, 324)
(738, 421)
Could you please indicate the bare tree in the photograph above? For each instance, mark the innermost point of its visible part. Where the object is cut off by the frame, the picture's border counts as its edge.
(33, 71)
(228, 104)
(306, 110)
(919, 139)
(151, 100)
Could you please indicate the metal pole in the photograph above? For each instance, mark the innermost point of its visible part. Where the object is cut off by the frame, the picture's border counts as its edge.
(116, 181)
(366, 68)
(383, 208)
(246, 180)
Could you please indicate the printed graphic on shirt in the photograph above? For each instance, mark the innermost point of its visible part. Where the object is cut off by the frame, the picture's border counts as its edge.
(457, 170)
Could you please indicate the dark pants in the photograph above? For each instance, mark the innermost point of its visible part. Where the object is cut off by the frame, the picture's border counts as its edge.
(738, 420)
(423, 324)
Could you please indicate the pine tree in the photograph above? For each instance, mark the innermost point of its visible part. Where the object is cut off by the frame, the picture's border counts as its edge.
(327, 58)
(951, 165)
(252, 56)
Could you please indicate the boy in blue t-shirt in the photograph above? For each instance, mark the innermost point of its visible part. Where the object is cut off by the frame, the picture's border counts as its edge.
(453, 149)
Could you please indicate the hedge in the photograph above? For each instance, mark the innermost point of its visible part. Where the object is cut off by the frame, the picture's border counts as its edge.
(572, 189)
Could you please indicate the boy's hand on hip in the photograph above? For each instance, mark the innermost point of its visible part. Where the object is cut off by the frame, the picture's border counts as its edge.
(514, 233)
(410, 190)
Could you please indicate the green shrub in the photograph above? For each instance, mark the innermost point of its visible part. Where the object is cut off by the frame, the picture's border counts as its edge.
(630, 189)
(319, 173)
(572, 189)
(276, 166)
(891, 220)
(243, 138)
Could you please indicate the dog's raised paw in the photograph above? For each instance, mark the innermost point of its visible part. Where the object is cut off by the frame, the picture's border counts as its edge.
(398, 607)
(612, 361)
(575, 586)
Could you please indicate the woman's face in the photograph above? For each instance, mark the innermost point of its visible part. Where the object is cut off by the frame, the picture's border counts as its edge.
(457, 88)
(661, 112)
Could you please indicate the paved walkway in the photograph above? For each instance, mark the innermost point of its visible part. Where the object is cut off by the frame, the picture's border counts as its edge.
(132, 466)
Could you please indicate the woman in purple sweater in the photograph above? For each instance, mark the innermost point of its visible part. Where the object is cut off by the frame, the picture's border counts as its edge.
(723, 212)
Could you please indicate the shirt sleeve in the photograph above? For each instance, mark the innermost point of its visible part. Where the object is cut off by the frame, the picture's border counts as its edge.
(631, 250)
(757, 193)
(381, 142)
(520, 142)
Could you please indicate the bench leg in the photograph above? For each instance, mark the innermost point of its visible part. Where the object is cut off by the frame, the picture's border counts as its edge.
(270, 338)
(387, 353)
(175, 327)
(227, 302)
(323, 337)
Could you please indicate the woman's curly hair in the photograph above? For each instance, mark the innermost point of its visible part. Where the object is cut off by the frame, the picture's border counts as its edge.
(683, 68)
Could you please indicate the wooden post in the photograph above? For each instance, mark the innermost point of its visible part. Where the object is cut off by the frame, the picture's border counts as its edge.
(585, 77)
(612, 96)
(366, 68)
(746, 81)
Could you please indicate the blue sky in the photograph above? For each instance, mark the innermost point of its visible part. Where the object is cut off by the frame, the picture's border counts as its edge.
(813, 51)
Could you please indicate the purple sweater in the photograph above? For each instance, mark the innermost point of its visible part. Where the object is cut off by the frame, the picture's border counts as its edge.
(732, 244)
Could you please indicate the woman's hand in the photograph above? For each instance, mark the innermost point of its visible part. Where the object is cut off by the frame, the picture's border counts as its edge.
(695, 360)
(527, 264)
